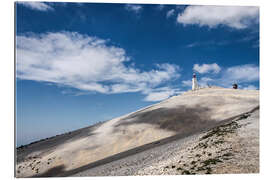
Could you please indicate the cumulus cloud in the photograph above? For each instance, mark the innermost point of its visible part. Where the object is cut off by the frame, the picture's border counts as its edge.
(133, 7)
(40, 6)
(206, 68)
(241, 74)
(170, 13)
(238, 17)
(85, 63)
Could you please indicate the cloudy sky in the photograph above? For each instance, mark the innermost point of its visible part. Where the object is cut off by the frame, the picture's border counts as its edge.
(80, 63)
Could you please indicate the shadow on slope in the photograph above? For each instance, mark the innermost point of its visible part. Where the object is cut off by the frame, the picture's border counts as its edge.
(59, 172)
(181, 119)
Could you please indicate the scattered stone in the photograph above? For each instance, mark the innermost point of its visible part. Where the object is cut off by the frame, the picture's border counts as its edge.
(186, 172)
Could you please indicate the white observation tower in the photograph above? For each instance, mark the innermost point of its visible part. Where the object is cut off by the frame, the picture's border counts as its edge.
(194, 82)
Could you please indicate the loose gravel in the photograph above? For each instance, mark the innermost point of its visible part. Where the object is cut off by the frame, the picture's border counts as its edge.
(229, 148)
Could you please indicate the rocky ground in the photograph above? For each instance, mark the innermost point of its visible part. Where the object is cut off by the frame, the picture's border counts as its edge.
(229, 148)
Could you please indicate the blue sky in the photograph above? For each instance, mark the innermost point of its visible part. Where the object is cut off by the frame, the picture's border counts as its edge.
(80, 63)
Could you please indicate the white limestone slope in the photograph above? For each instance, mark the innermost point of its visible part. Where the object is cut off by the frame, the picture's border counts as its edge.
(186, 113)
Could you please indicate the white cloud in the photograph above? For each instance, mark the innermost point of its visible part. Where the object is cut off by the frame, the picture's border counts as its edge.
(242, 73)
(205, 81)
(85, 63)
(170, 13)
(133, 7)
(238, 17)
(250, 87)
(191, 45)
(208, 43)
(206, 68)
(187, 83)
(40, 6)
(161, 94)
(158, 96)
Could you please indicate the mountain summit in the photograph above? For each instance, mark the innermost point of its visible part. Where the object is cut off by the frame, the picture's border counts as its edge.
(178, 117)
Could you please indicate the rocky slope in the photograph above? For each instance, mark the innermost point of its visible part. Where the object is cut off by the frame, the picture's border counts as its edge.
(232, 147)
(182, 117)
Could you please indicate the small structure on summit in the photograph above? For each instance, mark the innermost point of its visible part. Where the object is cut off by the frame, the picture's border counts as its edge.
(235, 86)
(194, 83)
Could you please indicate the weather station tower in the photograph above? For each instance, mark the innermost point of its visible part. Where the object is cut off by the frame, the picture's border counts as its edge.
(194, 82)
